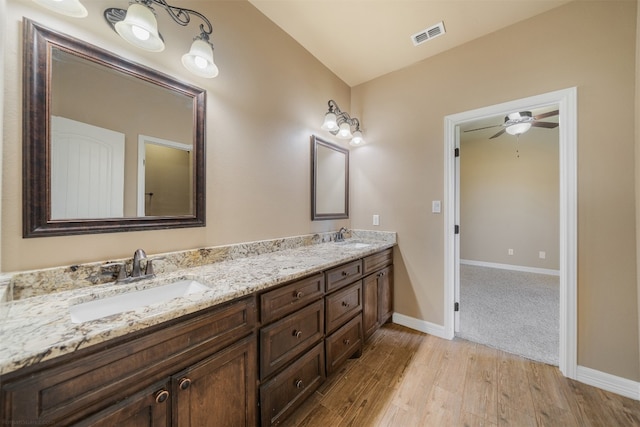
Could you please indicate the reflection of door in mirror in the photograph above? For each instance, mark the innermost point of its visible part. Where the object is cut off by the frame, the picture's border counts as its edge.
(330, 179)
(87, 170)
(164, 177)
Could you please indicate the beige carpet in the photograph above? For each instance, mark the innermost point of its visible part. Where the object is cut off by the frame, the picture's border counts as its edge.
(513, 311)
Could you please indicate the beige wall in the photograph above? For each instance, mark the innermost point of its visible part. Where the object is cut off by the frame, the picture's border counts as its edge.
(509, 198)
(401, 170)
(270, 96)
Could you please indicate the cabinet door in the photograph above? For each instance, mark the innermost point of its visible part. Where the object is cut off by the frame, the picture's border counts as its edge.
(220, 390)
(370, 306)
(385, 294)
(148, 408)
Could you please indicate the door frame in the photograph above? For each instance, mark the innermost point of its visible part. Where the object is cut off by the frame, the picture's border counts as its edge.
(566, 99)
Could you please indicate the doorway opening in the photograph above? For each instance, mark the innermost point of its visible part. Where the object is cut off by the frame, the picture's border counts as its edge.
(508, 189)
(566, 100)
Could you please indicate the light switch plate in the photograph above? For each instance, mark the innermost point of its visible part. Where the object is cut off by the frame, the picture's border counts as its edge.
(435, 206)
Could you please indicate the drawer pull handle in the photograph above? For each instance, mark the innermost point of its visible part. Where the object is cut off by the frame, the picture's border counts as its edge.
(299, 384)
(297, 334)
(344, 273)
(184, 384)
(162, 396)
(345, 304)
(299, 295)
(346, 342)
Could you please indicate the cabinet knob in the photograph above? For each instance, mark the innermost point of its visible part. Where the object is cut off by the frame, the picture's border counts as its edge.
(161, 396)
(344, 273)
(184, 384)
(299, 384)
(345, 304)
(299, 295)
(297, 334)
(346, 342)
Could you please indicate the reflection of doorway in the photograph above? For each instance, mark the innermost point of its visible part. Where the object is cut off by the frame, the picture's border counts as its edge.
(567, 101)
(164, 177)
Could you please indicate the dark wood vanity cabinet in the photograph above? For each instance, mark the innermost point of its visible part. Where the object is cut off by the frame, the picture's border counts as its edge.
(291, 347)
(377, 290)
(344, 304)
(196, 370)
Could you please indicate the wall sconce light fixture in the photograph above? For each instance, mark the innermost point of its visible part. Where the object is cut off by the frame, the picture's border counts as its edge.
(138, 26)
(339, 123)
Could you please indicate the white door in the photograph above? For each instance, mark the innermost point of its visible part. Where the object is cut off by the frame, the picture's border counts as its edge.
(87, 170)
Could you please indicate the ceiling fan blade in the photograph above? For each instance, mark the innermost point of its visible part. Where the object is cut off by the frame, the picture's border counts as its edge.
(545, 115)
(486, 127)
(547, 125)
(498, 134)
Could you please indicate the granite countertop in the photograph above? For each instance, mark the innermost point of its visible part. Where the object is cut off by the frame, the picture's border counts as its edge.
(40, 328)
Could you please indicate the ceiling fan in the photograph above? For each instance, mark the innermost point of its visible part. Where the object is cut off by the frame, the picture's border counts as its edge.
(520, 122)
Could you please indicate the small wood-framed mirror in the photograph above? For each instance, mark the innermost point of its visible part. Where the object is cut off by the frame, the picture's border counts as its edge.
(329, 180)
(84, 110)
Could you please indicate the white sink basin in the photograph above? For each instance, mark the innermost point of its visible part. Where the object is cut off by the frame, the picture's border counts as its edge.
(129, 301)
(354, 245)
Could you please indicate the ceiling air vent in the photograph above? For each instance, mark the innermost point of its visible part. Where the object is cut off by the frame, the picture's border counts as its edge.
(428, 34)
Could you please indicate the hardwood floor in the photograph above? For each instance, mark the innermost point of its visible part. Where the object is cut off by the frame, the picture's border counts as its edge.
(405, 378)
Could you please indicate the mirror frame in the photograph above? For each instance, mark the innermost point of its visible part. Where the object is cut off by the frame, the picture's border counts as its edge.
(315, 216)
(36, 217)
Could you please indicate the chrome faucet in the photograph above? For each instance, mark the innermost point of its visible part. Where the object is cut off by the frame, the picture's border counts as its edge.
(340, 234)
(138, 256)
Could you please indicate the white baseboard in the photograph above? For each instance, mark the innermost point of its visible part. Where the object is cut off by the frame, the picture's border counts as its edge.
(511, 267)
(420, 325)
(602, 380)
(608, 382)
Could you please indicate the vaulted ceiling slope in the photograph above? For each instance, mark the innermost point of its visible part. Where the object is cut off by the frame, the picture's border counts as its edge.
(360, 40)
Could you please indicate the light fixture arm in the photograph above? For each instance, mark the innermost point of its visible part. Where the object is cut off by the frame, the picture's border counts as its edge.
(182, 16)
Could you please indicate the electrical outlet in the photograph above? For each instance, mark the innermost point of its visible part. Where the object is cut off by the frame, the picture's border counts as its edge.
(435, 206)
(376, 219)
(510, 251)
(542, 254)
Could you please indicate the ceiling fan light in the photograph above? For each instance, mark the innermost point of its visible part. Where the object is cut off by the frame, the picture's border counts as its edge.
(345, 131)
(199, 59)
(140, 28)
(330, 122)
(71, 8)
(518, 128)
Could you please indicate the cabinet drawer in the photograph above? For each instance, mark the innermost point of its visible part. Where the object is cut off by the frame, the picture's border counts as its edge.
(343, 305)
(285, 339)
(73, 386)
(377, 261)
(287, 299)
(343, 275)
(281, 395)
(344, 343)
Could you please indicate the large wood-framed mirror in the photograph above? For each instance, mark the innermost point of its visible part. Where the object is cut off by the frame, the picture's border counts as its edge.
(329, 180)
(85, 110)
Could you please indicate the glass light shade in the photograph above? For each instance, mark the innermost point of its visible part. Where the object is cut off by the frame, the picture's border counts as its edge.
(518, 128)
(345, 131)
(66, 7)
(330, 122)
(199, 60)
(357, 139)
(140, 28)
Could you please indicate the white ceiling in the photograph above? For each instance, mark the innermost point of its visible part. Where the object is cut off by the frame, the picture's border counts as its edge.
(360, 40)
